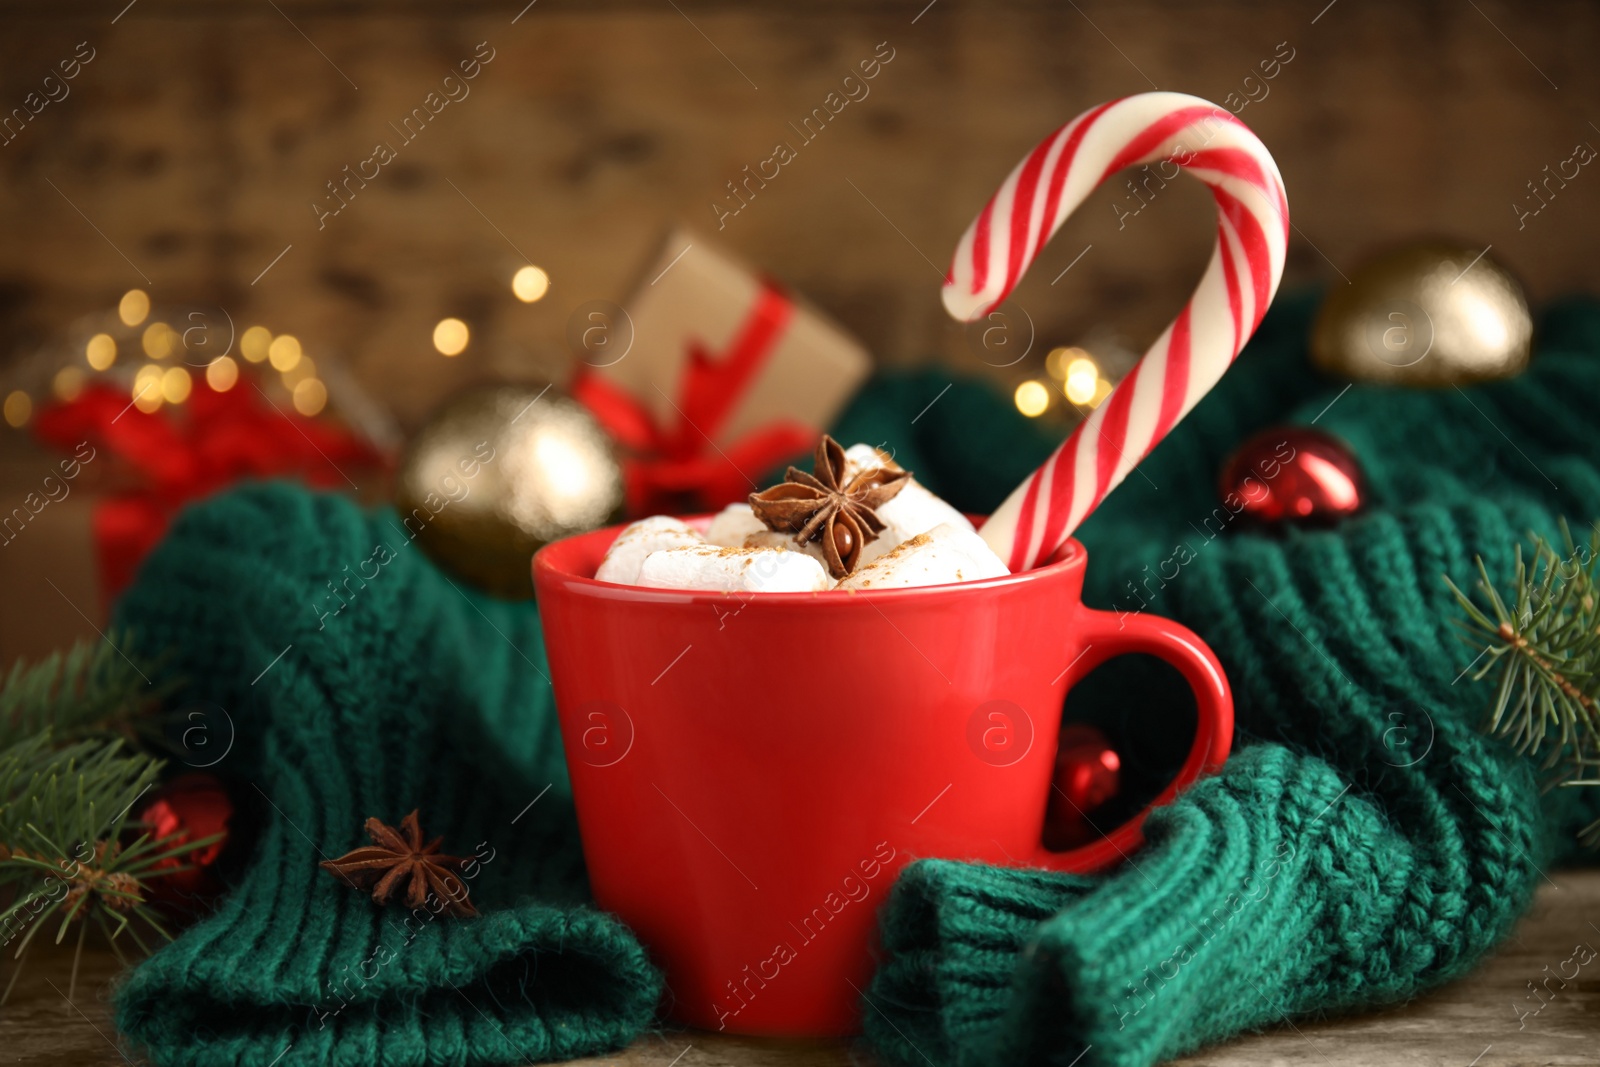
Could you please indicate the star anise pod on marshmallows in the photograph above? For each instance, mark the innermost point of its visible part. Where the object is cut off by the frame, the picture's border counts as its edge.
(821, 506)
(399, 856)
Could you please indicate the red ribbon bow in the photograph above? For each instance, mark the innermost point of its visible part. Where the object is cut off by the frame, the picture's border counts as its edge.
(224, 438)
(679, 461)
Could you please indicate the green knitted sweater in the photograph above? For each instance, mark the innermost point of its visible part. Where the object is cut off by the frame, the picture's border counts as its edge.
(1364, 843)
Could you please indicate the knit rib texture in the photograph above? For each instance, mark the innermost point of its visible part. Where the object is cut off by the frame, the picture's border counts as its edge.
(348, 697)
(1364, 843)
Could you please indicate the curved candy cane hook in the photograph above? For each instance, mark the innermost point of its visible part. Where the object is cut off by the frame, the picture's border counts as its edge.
(1191, 355)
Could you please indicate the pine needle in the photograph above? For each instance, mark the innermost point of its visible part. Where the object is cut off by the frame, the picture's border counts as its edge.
(77, 958)
(1541, 645)
(90, 689)
(70, 778)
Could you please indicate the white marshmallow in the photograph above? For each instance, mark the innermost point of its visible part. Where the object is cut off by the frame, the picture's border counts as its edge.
(913, 510)
(863, 457)
(983, 557)
(627, 553)
(785, 542)
(756, 570)
(947, 553)
(933, 558)
(732, 525)
(881, 545)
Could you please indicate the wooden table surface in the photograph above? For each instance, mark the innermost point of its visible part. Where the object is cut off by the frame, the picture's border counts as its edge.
(1472, 1023)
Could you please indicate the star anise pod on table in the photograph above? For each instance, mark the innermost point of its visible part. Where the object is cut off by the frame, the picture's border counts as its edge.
(820, 505)
(399, 856)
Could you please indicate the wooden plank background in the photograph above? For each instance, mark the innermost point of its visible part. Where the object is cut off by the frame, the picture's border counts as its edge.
(190, 149)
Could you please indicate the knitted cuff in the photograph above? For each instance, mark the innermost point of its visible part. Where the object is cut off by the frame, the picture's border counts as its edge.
(360, 681)
(1220, 924)
(524, 984)
(951, 934)
(1384, 853)
(1268, 891)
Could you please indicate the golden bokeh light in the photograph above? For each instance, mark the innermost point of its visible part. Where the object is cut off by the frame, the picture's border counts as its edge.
(146, 389)
(101, 351)
(310, 396)
(1102, 389)
(175, 385)
(1082, 378)
(1032, 398)
(133, 307)
(1079, 388)
(1057, 362)
(450, 337)
(159, 340)
(530, 283)
(221, 374)
(284, 352)
(254, 342)
(68, 383)
(18, 409)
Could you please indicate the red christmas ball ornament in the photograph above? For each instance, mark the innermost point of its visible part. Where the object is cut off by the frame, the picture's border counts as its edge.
(1293, 474)
(1088, 774)
(193, 806)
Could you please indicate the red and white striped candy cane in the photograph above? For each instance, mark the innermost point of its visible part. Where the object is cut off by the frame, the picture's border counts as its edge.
(1194, 351)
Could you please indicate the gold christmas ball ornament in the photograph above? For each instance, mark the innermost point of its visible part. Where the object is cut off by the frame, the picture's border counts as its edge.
(1428, 314)
(499, 471)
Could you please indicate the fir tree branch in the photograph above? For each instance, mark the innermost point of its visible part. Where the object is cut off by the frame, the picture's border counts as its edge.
(1541, 644)
(69, 783)
(90, 689)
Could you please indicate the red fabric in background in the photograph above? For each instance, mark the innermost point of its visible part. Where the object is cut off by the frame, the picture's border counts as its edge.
(177, 455)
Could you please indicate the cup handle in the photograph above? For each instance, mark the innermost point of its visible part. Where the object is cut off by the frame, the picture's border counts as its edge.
(1109, 634)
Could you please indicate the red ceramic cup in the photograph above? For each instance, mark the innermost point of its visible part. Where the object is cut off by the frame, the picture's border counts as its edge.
(751, 771)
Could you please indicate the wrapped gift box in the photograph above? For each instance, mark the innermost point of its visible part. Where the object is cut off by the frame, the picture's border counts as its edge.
(725, 374)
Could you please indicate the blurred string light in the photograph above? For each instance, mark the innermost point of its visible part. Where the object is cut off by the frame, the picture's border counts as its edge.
(1055, 364)
(18, 409)
(175, 385)
(530, 283)
(159, 340)
(450, 337)
(155, 384)
(101, 351)
(1032, 398)
(310, 396)
(284, 352)
(133, 307)
(254, 342)
(146, 389)
(68, 383)
(1082, 377)
(1081, 381)
(222, 374)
